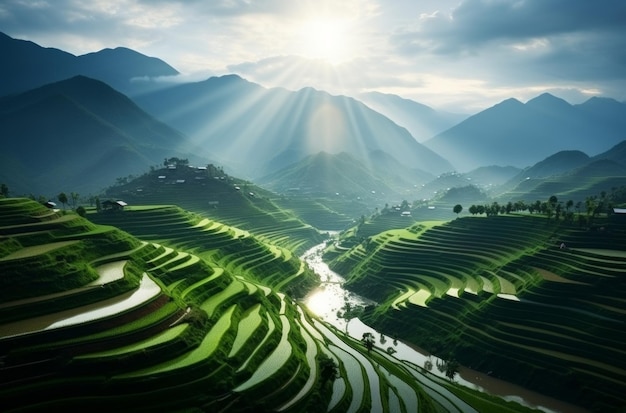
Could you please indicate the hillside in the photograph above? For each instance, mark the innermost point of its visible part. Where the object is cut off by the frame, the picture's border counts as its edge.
(498, 294)
(423, 122)
(343, 175)
(77, 135)
(520, 135)
(255, 131)
(22, 66)
(188, 323)
(567, 174)
(217, 195)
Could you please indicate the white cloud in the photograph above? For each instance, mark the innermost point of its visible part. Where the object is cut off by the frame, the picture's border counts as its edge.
(437, 52)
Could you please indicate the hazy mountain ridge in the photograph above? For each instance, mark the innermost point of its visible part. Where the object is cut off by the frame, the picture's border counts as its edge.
(325, 174)
(570, 173)
(517, 134)
(77, 135)
(22, 68)
(257, 131)
(422, 121)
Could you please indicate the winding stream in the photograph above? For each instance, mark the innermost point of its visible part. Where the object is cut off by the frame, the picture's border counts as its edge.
(330, 298)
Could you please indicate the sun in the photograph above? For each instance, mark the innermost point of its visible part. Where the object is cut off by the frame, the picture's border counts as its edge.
(327, 39)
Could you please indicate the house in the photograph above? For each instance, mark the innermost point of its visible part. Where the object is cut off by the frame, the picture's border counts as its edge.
(50, 204)
(109, 205)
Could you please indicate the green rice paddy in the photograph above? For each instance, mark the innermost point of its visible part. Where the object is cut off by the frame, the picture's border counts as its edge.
(219, 328)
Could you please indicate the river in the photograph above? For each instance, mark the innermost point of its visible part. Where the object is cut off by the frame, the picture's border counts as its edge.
(330, 298)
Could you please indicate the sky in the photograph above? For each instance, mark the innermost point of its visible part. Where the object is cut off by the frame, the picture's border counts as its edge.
(456, 55)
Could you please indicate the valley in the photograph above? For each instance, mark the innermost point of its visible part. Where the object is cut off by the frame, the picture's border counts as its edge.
(221, 246)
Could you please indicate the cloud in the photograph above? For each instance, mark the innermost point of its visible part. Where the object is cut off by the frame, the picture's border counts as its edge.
(476, 23)
(473, 52)
(526, 42)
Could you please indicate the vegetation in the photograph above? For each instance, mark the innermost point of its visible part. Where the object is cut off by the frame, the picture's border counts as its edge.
(209, 319)
(502, 294)
(185, 315)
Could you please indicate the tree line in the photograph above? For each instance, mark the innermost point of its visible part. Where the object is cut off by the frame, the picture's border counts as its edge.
(552, 207)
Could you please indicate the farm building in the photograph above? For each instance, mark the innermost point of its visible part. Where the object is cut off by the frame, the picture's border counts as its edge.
(109, 205)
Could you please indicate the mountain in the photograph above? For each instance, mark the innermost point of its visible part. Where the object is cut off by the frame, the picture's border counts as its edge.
(616, 154)
(571, 174)
(21, 69)
(325, 174)
(517, 134)
(557, 164)
(257, 131)
(490, 176)
(423, 122)
(77, 135)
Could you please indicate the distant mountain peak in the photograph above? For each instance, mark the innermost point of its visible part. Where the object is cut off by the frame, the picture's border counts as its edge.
(31, 66)
(547, 100)
(510, 102)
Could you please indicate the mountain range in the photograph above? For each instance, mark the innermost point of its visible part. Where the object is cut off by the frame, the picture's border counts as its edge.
(258, 131)
(83, 122)
(122, 68)
(77, 135)
(422, 121)
(518, 134)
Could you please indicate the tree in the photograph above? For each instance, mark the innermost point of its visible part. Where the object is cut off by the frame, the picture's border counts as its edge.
(457, 209)
(449, 367)
(553, 200)
(368, 340)
(74, 198)
(81, 211)
(592, 207)
(62, 198)
(4, 190)
(452, 368)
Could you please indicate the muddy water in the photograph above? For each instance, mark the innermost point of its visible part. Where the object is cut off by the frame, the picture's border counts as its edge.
(330, 298)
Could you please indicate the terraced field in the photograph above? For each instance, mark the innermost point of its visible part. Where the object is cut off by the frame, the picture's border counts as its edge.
(230, 201)
(228, 248)
(501, 296)
(176, 324)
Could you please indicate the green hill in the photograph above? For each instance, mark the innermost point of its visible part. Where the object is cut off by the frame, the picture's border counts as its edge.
(77, 135)
(94, 318)
(209, 191)
(501, 296)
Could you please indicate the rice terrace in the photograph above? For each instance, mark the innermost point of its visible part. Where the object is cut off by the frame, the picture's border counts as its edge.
(147, 307)
(272, 221)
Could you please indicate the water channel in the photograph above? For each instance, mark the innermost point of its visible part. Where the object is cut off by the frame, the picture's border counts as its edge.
(330, 298)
